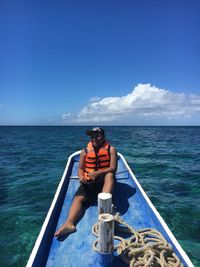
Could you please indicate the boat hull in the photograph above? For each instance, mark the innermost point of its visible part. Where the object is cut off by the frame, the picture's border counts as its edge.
(76, 250)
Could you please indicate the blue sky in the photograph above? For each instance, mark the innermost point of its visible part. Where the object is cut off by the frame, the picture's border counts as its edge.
(100, 62)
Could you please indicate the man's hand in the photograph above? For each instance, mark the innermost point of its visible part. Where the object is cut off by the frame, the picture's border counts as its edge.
(93, 175)
(83, 180)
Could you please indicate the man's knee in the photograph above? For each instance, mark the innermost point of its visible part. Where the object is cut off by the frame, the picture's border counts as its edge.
(109, 182)
(110, 176)
(109, 179)
(80, 199)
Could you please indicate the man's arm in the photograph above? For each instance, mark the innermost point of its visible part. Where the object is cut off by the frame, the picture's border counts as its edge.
(81, 167)
(111, 168)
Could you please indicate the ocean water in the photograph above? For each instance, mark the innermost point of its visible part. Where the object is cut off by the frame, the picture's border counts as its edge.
(165, 160)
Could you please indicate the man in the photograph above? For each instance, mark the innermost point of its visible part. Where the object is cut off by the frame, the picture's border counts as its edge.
(96, 172)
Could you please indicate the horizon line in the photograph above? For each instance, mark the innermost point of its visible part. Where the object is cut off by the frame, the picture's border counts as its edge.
(46, 125)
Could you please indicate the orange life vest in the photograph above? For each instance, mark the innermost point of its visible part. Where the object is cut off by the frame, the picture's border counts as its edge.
(97, 160)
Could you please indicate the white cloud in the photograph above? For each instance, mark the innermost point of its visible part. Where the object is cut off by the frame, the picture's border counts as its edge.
(145, 102)
(66, 116)
(94, 99)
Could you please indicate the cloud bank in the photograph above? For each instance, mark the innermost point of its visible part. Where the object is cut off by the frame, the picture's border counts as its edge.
(145, 104)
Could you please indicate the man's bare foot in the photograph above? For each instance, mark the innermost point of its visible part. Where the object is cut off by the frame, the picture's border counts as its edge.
(65, 229)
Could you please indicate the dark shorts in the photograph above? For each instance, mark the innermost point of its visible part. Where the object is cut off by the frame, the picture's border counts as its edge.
(91, 191)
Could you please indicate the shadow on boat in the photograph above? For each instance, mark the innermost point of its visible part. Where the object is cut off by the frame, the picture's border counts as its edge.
(63, 237)
(121, 195)
(118, 262)
(104, 260)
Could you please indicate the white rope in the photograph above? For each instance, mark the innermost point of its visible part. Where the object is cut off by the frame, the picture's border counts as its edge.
(145, 248)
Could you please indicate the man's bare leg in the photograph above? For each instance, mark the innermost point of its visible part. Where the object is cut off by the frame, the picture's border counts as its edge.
(74, 213)
(109, 181)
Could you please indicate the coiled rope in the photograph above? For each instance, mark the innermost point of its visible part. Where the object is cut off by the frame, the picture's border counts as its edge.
(145, 248)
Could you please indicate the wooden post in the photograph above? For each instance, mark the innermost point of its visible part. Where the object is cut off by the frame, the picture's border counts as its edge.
(104, 203)
(106, 239)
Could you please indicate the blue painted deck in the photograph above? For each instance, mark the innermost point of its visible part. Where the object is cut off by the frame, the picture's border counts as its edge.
(76, 249)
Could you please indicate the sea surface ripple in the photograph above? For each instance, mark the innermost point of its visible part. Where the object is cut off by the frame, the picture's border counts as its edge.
(165, 160)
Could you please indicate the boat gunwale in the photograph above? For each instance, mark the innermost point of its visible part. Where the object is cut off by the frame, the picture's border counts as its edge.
(50, 211)
(157, 214)
(151, 206)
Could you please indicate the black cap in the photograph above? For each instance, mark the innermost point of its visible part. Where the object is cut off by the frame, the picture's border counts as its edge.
(95, 130)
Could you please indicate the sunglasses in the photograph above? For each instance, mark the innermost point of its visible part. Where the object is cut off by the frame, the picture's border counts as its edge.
(95, 135)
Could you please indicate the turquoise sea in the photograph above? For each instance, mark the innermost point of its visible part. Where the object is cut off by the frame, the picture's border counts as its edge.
(165, 160)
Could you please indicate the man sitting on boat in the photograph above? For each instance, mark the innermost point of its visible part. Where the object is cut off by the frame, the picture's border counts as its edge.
(96, 172)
